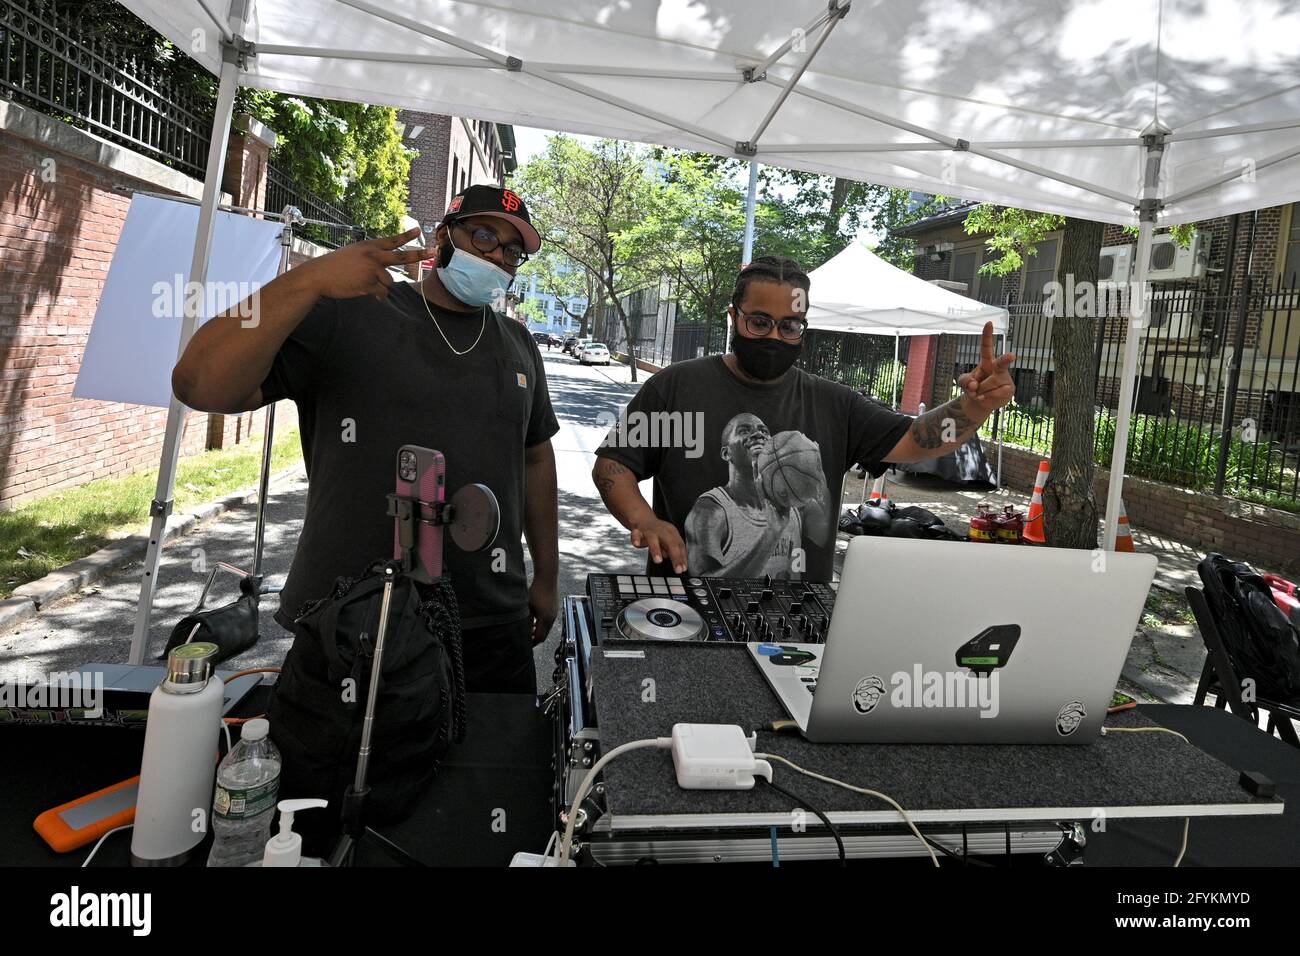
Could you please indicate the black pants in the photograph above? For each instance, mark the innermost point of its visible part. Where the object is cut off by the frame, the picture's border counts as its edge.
(499, 659)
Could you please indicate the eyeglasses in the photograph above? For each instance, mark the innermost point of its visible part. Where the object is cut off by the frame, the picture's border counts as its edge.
(760, 324)
(485, 241)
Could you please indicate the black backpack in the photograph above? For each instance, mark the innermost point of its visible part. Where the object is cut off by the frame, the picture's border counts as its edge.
(319, 704)
(1262, 644)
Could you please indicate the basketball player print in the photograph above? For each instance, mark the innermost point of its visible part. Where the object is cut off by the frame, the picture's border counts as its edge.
(751, 526)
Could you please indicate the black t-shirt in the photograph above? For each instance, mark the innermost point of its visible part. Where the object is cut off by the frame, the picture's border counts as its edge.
(750, 474)
(369, 376)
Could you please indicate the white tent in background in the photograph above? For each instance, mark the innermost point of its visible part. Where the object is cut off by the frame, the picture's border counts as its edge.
(1137, 112)
(857, 291)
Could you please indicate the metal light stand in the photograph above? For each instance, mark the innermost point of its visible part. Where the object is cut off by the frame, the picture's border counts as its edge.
(291, 216)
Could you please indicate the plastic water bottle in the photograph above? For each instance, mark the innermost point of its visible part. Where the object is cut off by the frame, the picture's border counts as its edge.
(248, 785)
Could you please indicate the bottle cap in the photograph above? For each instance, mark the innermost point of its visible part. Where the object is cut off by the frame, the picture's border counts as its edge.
(191, 663)
(255, 729)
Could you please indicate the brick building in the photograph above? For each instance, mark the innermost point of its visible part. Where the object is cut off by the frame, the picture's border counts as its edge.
(1194, 318)
(454, 152)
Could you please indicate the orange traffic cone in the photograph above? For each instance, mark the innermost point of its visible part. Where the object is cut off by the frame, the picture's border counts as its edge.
(1033, 532)
(1124, 535)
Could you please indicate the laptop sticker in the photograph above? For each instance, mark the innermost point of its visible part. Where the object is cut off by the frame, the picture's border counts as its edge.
(989, 649)
(791, 656)
(1070, 717)
(868, 694)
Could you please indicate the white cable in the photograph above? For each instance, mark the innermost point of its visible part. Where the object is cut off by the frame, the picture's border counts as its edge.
(1187, 821)
(1187, 825)
(125, 826)
(226, 727)
(660, 743)
(870, 793)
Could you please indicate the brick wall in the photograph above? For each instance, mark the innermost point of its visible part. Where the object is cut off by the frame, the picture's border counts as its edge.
(1242, 531)
(61, 214)
(428, 179)
(56, 241)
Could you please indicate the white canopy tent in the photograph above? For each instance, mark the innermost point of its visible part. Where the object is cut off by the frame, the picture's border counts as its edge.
(1124, 111)
(857, 291)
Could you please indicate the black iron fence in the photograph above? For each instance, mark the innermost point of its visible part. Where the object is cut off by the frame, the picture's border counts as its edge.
(1218, 398)
(865, 363)
(52, 63)
(282, 191)
(651, 316)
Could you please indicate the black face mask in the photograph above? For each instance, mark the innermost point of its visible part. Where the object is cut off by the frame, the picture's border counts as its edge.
(764, 359)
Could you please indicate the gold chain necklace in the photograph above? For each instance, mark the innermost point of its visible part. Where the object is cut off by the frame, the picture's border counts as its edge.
(481, 327)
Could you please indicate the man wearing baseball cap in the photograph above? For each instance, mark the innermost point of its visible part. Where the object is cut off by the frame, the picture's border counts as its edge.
(374, 364)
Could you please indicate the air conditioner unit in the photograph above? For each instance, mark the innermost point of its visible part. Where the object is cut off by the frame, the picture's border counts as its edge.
(1173, 316)
(1116, 264)
(1169, 260)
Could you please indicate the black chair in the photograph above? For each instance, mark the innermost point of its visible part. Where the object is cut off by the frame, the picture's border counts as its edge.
(1220, 672)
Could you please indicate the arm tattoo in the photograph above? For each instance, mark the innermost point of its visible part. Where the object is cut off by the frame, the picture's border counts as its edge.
(606, 471)
(928, 430)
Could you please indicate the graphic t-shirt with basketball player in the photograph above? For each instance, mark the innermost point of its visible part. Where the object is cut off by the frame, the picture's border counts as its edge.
(750, 473)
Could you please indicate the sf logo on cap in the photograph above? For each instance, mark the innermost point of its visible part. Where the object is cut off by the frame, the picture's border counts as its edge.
(509, 201)
(455, 203)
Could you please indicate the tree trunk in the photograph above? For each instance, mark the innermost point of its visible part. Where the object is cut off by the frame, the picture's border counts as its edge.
(628, 336)
(1071, 509)
(839, 193)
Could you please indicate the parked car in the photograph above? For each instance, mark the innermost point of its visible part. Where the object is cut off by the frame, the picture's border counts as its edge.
(593, 354)
(541, 337)
(570, 344)
(553, 341)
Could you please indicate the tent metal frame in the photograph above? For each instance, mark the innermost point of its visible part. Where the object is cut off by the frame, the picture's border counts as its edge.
(236, 50)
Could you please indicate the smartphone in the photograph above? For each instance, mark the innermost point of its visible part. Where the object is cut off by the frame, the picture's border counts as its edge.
(421, 474)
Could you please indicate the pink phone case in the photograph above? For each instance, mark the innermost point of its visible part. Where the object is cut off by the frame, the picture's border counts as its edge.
(422, 473)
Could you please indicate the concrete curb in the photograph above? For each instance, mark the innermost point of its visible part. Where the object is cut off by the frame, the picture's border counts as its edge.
(27, 599)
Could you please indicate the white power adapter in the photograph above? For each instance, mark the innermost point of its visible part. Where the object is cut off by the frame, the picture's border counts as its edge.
(716, 757)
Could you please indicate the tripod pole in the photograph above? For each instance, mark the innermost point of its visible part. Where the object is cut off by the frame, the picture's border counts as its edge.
(354, 799)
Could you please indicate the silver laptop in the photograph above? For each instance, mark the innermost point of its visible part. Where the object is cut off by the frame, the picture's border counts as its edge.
(952, 642)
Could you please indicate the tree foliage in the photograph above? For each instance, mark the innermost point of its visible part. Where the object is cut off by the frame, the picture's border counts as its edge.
(349, 154)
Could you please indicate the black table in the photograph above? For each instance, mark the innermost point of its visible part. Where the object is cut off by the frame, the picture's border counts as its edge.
(1217, 841)
(490, 799)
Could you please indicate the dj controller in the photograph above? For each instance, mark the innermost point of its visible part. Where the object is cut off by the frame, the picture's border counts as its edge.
(643, 608)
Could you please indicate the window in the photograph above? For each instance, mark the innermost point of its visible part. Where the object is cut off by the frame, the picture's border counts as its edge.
(1291, 250)
(991, 289)
(964, 264)
(1039, 270)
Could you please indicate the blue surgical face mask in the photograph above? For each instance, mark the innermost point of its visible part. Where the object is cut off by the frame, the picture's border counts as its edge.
(473, 280)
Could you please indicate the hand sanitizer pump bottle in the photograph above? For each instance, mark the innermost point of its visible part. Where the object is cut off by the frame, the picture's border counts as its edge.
(285, 848)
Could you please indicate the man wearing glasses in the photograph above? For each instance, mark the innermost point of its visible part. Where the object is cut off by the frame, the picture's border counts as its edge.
(765, 502)
(374, 364)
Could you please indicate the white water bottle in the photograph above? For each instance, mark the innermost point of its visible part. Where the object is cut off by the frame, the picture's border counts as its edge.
(180, 758)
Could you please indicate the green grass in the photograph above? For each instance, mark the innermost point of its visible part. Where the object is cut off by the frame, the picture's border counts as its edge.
(1164, 609)
(48, 532)
(1177, 453)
